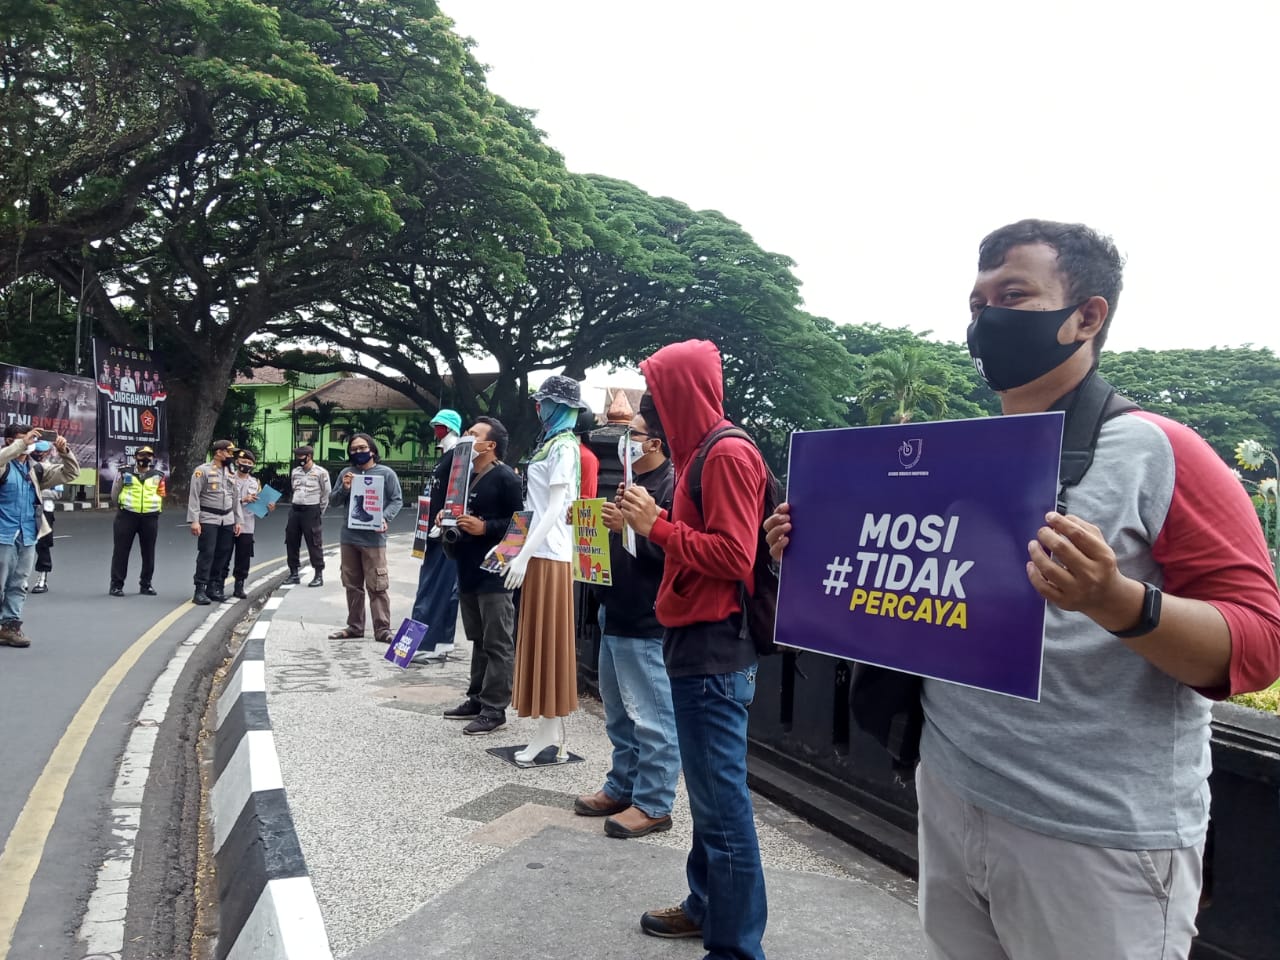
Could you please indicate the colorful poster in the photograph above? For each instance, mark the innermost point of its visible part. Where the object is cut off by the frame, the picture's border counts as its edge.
(364, 508)
(455, 497)
(591, 544)
(407, 640)
(423, 528)
(496, 560)
(56, 402)
(909, 548)
(131, 408)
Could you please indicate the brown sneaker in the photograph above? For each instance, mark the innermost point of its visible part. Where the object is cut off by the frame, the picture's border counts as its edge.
(11, 634)
(598, 804)
(671, 923)
(634, 822)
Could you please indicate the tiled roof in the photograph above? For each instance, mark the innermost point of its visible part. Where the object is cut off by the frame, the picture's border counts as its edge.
(357, 393)
(261, 376)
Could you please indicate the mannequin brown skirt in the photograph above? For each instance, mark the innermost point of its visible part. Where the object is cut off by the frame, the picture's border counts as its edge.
(546, 675)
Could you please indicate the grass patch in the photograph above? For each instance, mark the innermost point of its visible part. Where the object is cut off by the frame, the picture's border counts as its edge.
(1266, 700)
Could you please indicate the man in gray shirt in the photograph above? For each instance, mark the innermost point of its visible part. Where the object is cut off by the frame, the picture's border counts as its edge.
(1074, 826)
(310, 484)
(364, 552)
(215, 515)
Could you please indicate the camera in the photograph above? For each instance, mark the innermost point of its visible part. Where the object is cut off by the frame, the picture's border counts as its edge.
(450, 533)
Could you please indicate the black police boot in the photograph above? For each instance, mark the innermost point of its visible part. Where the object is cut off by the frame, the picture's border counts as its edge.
(201, 598)
(317, 580)
(359, 512)
(293, 576)
(146, 589)
(238, 592)
(42, 583)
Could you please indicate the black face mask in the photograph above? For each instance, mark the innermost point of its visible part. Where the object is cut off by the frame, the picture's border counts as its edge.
(144, 464)
(244, 467)
(302, 461)
(1010, 348)
(361, 457)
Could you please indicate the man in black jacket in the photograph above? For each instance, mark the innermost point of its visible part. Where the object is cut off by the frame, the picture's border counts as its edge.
(641, 785)
(488, 615)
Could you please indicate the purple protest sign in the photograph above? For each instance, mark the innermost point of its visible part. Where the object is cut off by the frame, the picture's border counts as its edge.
(909, 547)
(408, 638)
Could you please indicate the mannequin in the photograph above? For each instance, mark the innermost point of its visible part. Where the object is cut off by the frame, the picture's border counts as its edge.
(546, 671)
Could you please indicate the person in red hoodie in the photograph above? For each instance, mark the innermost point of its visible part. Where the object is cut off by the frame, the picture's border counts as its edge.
(712, 666)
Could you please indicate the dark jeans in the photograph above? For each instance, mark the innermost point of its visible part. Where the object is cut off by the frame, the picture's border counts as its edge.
(243, 553)
(489, 620)
(44, 548)
(213, 553)
(304, 524)
(726, 882)
(436, 603)
(126, 526)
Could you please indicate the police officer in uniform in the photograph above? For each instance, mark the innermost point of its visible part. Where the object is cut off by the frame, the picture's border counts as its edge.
(311, 489)
(215, 515)
(138, 495)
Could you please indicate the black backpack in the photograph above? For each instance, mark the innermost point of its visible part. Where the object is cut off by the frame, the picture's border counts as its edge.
(886, 703)
(759, 607)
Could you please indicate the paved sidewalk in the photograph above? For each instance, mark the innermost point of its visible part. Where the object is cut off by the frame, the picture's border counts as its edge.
(420, 844)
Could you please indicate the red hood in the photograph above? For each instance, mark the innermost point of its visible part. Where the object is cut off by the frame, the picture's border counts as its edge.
(687, 384)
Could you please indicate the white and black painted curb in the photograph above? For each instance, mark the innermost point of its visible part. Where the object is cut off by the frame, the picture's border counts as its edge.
(267, 906)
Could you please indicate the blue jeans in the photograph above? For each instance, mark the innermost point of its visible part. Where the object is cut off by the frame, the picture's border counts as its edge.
(726, 882)
(16, 561)
(640, 721)
(436, 602)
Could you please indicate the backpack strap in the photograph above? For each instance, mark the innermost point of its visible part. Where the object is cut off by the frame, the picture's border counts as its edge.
(1095, 402)
(699, 461)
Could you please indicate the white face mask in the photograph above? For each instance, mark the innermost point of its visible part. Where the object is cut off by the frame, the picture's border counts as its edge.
(449, 442)
(637, 449)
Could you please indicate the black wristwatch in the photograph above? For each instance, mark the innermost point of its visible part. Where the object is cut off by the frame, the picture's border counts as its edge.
(1150, 618)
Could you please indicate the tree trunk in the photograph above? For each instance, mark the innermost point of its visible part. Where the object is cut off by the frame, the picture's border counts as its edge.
(194, 404)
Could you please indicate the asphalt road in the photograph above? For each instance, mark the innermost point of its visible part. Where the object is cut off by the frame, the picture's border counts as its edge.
(77, 632)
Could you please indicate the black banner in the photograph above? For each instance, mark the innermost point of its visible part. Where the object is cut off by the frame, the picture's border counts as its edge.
(131, 408)
(52, 401)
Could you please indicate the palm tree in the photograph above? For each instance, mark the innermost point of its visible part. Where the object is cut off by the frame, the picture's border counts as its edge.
(899, 384)
(378, 424)
(324, 413)
(421, 434)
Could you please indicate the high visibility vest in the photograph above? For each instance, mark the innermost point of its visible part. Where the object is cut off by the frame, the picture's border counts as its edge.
(143, 494)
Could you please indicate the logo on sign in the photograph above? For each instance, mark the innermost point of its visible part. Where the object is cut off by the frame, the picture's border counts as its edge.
(148, 419)
(909, 452)
(368, 481)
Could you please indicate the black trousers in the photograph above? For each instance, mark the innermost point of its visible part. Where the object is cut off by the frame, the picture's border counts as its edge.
(242, 554)
(304, 524)
(127, 525)
(44, 548)
(213, 553)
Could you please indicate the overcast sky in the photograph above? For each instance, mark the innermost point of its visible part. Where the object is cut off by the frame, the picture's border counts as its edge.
(875, 144)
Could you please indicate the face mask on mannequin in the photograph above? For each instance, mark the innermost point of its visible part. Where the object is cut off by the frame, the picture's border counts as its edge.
(1010, 348)
(637, 448)
(556, 417)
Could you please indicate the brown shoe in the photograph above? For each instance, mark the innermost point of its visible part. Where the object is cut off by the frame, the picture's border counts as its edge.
(634, 822)
(11, 634)
(598, 804)
(671, 923)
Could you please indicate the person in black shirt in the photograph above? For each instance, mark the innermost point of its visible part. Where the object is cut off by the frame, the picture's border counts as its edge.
(488, 615)
(640, 787)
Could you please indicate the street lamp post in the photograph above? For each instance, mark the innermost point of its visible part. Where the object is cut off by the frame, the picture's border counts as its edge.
(265, 413)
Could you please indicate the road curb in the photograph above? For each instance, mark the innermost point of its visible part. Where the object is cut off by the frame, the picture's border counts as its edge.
(267, 906)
